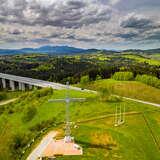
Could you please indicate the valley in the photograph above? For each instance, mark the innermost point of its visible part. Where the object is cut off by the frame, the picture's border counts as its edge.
(27, 116)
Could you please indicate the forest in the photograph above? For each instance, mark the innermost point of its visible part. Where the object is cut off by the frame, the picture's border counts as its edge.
(72, 68)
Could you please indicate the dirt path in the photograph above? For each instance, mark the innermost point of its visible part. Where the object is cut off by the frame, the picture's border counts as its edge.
(151, 131)
(7, 101)
(107, 116)
(37, 152)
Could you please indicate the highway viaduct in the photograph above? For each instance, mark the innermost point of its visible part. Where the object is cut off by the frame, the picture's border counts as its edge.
(23, 83)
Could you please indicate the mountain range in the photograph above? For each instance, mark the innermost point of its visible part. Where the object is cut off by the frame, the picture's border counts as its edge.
(55, 50)
(65, 50)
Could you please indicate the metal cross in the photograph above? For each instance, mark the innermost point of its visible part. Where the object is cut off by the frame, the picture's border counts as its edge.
(68, 137)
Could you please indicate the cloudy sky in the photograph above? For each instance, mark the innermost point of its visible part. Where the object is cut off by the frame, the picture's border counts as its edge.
(109, 24)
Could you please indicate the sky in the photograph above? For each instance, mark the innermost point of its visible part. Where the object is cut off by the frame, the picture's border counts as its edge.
(102, 24)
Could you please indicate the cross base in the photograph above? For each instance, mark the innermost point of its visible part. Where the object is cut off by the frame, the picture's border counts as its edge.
(119, 123)
(61, 148)
(68, 139)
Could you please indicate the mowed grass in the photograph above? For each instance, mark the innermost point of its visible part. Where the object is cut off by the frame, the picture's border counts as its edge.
(99, 138)
(154, 122)
(143, 59)
(130, 89)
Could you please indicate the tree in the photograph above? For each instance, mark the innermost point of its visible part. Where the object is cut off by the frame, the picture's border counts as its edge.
(29, 114)
(19, 141)
(123, 76)
(149, 80)
(84, 79)
(3, 96)
(98, 77)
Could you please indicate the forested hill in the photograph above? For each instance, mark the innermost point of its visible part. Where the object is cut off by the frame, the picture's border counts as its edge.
(72, 67)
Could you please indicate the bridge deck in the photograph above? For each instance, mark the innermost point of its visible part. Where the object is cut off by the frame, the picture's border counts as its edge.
(38, 83)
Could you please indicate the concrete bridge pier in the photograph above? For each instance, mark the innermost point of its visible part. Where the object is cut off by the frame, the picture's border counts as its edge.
(30, 87)
(19, 86)
(4, 85)
(23, 87)
(12, 85)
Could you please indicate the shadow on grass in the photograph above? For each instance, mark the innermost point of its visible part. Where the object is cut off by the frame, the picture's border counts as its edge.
(100, 146)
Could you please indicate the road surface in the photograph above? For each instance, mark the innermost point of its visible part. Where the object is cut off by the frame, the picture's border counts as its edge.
(144, 102)
(37, 152)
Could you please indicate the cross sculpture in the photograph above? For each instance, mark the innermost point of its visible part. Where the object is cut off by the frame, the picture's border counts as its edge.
(68, 137)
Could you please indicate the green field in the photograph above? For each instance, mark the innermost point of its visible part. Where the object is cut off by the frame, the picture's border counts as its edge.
(131, 89)
(155, 56)
(101, 140)
(141, 59)
(95, 133)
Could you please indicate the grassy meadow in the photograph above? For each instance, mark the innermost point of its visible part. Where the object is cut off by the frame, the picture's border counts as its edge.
(155, 56)
(142, 59)
(32, 116)
(131, 89)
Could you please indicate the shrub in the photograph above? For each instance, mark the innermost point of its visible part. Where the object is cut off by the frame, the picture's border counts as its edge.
(44, 92)
(71, 80)
(114, 98)
(43, 124)
(24, 96)
(2, 109)
(104, 94)
(29, 114)
(19, 141)
(149, 80)
(84, 79)
(123, 76)
(98, 77)
(3, 96)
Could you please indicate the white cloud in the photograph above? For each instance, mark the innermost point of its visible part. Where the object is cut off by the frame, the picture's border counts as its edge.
(84, 23)
(113, 2)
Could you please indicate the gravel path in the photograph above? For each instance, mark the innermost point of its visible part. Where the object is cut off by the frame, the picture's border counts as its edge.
(7, 101)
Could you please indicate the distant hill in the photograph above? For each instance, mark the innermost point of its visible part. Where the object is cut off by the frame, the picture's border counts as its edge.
(55, 50)
(149, 51)
(67, 50)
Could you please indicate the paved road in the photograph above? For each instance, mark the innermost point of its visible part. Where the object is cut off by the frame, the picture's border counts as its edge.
(37, 152)
(7, 101)
(144, 102)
